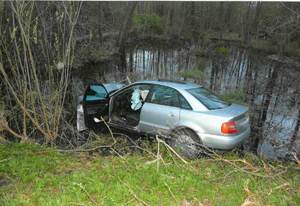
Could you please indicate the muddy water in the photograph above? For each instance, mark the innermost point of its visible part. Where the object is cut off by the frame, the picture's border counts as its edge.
(222, 73)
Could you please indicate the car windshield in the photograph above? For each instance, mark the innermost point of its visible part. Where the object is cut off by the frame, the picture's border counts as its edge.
(210, 100)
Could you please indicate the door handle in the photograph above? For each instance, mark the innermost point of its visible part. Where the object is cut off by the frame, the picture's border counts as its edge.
(171, 115)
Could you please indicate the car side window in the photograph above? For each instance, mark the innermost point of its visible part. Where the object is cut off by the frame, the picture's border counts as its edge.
(132, 97)
(183, 103)
(164, 96)
(95, 92)
(138, 96)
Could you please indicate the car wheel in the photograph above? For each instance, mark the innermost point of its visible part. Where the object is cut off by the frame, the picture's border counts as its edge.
(186, 143)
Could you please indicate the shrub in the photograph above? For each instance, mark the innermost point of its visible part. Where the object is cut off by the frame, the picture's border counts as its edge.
(36, 89)
(148, 23)
(237, 96)
(222, 51)
(195, 74)
(2, 118)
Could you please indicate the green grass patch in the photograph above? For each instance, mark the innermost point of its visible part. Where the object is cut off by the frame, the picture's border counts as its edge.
(35, 175)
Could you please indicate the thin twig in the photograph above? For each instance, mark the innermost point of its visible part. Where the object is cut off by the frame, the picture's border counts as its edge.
(133, 193)
(86, 192)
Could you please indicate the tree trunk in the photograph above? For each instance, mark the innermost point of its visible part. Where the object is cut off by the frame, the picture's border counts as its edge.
(144, 68)
(221, 21)
(265, 106)
(248, 78)
(99, 29)
(268, 94)
(123, 36)
(123, 63)
(256, 19)
(157, 63)
(212, 76)
(131, 61)
(246, 32)
(296, 130)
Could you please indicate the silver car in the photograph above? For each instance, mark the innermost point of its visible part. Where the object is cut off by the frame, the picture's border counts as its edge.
(192, 116)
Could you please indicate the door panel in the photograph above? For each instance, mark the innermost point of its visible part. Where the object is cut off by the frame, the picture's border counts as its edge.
(161, 110)
(95, 104)
(80, 123)
(157, 118)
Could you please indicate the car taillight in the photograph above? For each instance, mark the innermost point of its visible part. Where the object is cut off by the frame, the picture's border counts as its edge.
(229, 127)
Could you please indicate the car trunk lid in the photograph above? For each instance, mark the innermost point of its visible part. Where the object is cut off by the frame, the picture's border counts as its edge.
(234, 112)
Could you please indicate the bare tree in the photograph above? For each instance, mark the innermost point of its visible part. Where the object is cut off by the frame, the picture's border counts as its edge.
(38, 90)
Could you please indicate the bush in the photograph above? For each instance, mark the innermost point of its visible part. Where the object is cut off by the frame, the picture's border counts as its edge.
(191, 74)
(222, 51)
(148, 23)
(2, 117)
(237, 96)
(1, 107)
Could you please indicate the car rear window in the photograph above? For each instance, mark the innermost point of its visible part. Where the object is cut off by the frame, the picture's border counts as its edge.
(210, 100)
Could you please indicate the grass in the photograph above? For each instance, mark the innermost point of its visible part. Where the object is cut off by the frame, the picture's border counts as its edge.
(36, 175)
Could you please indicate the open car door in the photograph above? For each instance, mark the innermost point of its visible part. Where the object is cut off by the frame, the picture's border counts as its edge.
(95, 105)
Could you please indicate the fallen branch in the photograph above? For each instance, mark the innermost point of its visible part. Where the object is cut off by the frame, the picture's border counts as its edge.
(171, 149)
(133, 193)
(86, 192)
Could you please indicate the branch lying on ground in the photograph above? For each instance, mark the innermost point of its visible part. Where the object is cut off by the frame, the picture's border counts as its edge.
(87, 193)
(296, 158)
(172, 150)
(241, 165)
(133, 193)
(83, 149)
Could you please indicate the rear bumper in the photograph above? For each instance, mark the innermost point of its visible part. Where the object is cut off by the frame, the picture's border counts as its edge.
(224, 142)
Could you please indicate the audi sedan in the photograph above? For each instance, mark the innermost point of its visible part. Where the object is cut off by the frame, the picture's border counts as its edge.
(190, 115)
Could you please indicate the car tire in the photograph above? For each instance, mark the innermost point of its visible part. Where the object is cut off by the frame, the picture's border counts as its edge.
(186, 143)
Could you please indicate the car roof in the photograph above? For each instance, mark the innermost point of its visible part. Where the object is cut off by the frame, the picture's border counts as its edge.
(171, 83)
